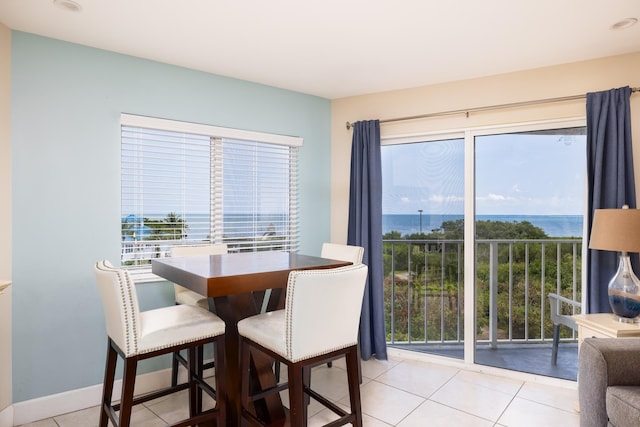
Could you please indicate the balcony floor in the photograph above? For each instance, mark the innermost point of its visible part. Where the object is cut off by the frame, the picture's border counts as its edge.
(530, 358)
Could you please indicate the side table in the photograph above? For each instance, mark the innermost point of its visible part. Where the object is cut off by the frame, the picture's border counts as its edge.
(604, 325)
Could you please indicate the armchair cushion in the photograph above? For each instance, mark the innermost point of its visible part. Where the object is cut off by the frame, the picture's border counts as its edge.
(623, 406)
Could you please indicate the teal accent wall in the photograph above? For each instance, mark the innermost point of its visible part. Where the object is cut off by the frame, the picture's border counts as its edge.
(66, 102)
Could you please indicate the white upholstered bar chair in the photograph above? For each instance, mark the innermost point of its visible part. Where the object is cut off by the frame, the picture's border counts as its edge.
(136, 335)
(343, 253)
(184, 295)
(187, 296)
(320, 320)
(340, 252)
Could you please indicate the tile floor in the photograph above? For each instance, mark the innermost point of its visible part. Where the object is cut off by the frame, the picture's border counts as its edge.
(405, 391)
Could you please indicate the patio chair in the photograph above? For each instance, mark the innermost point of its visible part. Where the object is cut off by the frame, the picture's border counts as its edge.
(558, 319)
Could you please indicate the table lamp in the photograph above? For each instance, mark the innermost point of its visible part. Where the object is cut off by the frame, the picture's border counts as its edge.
(619, 230)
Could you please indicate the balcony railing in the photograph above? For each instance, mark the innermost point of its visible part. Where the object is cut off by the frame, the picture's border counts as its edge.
(424, 290)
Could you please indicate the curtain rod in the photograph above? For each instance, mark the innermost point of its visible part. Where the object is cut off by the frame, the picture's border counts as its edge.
(487, 108)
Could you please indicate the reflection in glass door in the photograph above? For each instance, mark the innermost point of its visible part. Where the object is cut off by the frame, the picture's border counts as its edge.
(529, 203)
(423, 209)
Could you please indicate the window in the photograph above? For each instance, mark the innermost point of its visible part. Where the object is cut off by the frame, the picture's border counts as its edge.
(189, 184)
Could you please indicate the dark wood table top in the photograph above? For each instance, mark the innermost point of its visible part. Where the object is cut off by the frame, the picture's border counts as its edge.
(237, 273)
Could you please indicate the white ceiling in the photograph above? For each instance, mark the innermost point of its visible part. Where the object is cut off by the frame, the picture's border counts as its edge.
(340, 48)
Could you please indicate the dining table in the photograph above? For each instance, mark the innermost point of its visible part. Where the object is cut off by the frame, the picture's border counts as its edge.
(241, 285)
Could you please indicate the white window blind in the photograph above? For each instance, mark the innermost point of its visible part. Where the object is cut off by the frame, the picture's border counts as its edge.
(187, 184)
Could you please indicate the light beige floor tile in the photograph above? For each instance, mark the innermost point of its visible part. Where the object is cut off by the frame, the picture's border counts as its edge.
(418, 378)
(172, 408)
(371, 368)
(144, 417)
(387, 403)
(437, 415)
(85, 418)
(475, 397)
(492, 382)
(42, 423)
(557, 397)
(525, 413)
(331, 382)
(326, 416)
(313, 408)
(396, 398)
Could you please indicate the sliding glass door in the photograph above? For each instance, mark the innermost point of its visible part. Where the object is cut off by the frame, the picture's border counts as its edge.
(529, 204)
(423, 208)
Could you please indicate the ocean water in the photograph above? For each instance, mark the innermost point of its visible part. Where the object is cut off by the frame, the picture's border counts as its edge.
(553, 225)
(198, 228)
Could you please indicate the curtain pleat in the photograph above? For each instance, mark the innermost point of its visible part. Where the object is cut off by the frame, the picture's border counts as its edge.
(610, 181)
(365, 229)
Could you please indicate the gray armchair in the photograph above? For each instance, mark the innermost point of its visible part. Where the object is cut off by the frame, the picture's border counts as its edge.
(609, 382)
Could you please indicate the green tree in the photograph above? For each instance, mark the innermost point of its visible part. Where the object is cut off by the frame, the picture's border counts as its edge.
(428, 283)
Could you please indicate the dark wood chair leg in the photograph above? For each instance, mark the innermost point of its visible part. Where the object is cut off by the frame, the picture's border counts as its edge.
(353, 360)
(109, 378)
(276, 370)
(297, 404)
(246, 403)
(192, 370)
(128, 385)
(221, 397)
(174, 369)
(306, 379)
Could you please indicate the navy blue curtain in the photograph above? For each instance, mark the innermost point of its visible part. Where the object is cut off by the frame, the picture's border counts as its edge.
(365, 229)
(610, 181)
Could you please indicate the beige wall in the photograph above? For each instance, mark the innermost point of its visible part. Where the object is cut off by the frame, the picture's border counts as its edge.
(552, 82)
(5, 216)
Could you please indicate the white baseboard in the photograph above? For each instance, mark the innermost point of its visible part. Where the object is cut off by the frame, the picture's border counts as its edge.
(29, 411)
(6, 417)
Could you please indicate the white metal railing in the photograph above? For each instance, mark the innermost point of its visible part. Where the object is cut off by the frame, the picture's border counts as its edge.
(141, 252)
(424, 289)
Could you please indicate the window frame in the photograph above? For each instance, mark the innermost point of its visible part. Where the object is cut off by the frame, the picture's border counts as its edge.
(218, 137)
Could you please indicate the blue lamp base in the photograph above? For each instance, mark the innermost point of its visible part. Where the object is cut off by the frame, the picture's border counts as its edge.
(624, 292)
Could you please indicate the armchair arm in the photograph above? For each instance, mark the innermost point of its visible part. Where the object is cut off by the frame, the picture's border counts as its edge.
(604, 362)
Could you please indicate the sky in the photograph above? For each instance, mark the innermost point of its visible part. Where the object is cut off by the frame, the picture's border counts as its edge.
(516, 174)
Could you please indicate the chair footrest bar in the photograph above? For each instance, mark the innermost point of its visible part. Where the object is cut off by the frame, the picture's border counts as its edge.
(325, 402)
(263, 393)
(342, 421)
(155, 394)
(204, 386)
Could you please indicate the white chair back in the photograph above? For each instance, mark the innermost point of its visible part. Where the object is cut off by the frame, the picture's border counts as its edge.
(342, 252)
(120, 304)
(218, 249)
(322, 310)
